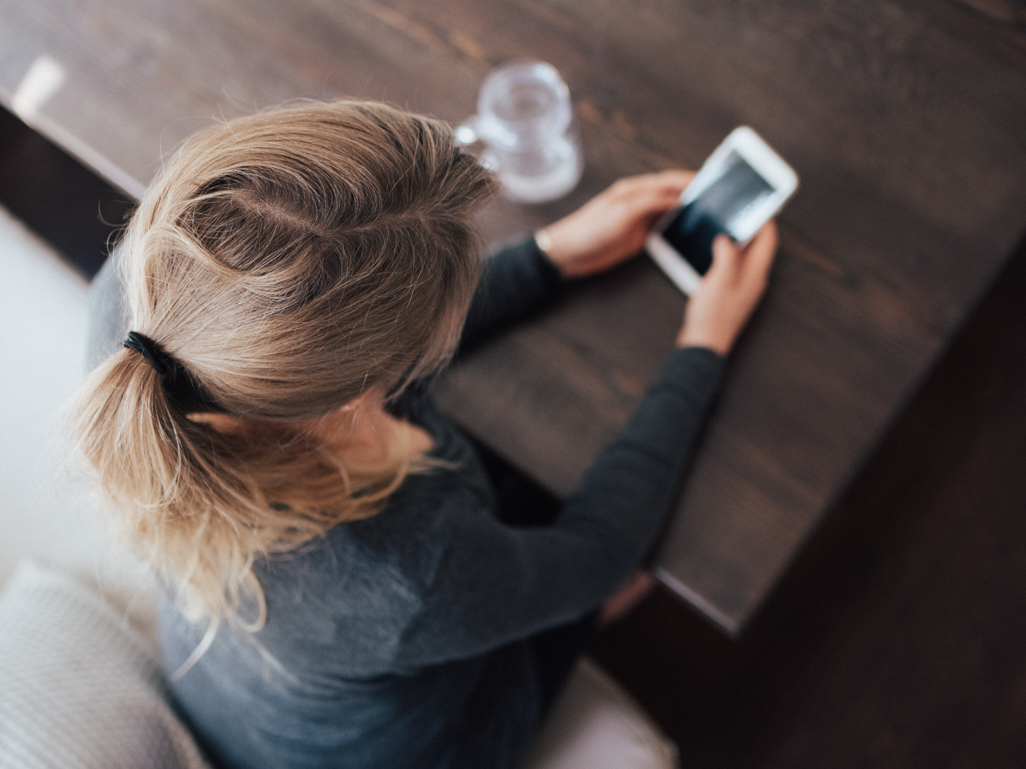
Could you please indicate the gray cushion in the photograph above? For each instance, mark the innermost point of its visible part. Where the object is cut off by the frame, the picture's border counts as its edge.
(80, 687)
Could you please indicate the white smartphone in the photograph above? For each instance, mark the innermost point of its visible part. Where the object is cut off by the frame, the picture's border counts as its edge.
(742, 185)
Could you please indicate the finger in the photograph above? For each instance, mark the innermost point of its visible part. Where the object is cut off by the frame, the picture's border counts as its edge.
(760, 253)
(674, 179)
(634, 590)
(661, 192)
(678, 178)
(649, 203)
(726, 254)
(660, 199)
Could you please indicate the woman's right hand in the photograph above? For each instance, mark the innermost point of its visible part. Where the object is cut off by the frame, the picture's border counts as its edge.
(730, 291)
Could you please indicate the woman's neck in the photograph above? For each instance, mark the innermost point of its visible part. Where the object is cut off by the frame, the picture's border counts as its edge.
(360, 432)
(368, 434)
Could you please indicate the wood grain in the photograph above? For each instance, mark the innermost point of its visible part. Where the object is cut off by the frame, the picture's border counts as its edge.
(894, 640)
(903, 121)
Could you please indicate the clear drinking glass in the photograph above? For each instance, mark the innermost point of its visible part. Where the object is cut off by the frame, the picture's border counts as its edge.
(525, 123)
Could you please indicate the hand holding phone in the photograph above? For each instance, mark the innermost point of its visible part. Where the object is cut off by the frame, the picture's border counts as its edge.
(742, 185)
(730, 292)
(612, 226)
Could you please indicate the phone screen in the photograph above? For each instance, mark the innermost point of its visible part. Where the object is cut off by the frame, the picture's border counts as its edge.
(717, 208)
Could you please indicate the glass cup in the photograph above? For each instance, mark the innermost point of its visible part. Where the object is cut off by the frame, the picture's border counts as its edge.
(525, 124)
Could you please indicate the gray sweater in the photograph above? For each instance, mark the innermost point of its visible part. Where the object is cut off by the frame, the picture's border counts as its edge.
(399, 641)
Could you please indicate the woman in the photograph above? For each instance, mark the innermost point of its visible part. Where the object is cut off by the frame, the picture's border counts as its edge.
(341, 591)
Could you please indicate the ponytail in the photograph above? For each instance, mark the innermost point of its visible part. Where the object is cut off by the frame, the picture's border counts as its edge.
(289, 262)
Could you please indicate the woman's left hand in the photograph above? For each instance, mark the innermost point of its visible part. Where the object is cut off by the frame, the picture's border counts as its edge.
(611, 227)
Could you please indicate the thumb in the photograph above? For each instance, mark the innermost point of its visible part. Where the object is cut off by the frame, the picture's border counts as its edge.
(762, 250)
(725, 255)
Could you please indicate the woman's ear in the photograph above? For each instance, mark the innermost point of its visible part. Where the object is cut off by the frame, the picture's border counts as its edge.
(371, 397)
(241, 427)
(223, 423)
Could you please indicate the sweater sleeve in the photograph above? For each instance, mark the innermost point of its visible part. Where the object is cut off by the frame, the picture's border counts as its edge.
(517, 281)
(497, 584)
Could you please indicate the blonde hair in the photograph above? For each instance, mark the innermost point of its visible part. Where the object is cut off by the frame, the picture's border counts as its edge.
(288, 261)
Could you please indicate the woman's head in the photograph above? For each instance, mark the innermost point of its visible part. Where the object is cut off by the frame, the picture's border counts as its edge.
(289, 262)
(293, 259)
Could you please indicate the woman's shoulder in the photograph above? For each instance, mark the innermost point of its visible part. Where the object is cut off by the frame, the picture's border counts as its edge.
(399, 547)
(362, 583)
(421, 520)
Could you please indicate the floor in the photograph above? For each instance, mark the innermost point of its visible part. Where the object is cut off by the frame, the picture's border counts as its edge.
(895, 641)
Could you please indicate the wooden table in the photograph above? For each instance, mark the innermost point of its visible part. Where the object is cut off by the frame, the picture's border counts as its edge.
(905, 119)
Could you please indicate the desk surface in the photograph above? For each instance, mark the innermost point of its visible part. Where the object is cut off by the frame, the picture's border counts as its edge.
(905, 119)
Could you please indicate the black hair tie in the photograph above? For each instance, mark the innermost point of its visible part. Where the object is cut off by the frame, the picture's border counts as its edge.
(178, 383)
(156, 357)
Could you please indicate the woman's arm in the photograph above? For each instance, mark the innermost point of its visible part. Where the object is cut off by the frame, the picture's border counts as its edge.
(521, 280)
(497, 584)
(517, 282)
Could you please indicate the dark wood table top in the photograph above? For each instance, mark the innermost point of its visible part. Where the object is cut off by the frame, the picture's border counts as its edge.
(905, 119)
